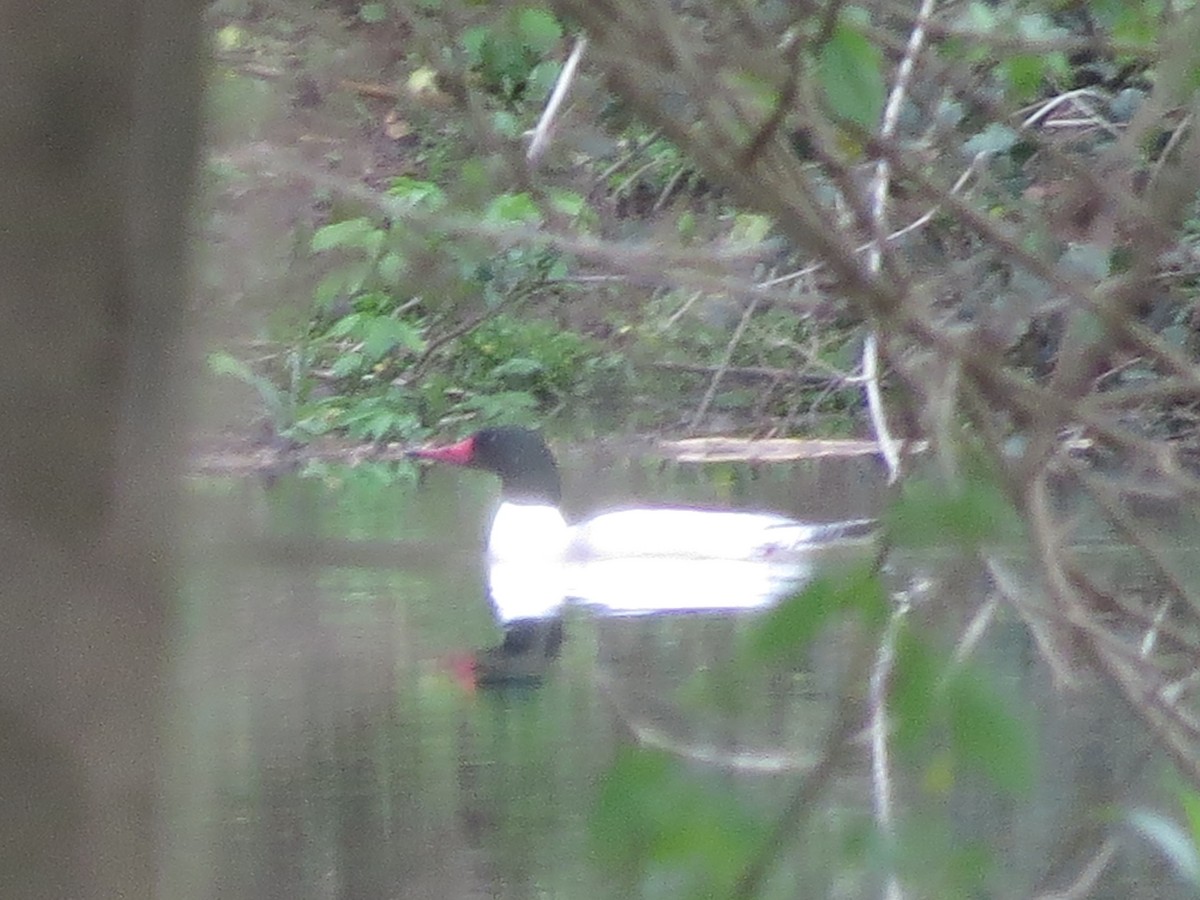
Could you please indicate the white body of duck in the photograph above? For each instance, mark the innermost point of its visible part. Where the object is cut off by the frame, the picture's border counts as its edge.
(539, 531)
(631, 560)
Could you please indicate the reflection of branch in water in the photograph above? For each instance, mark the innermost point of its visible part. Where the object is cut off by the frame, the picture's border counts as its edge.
(1085, 884)
(648, 735)
(804, 798)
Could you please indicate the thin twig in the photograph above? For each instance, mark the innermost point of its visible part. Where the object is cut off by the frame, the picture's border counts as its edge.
(669, 189)
(702, 410)
(540, 135)
(1151, 636)
(621, 162)
(888, 446)
(766, 373)
(1110, 502)
(881, 776)
(1043, 108)
(1085, 884)
(687, 304)
(792, 47)
(1172, 144)
(870, 358)
(912, 226)
(975, 630)
(881, 790)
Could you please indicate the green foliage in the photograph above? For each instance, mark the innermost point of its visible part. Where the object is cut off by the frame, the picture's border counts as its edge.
(1020, 75)
(373, 344)
(666, 824)
(851, 72)
(970, 514)
(654, 820)
(507, 368)
(509, 55)
(789, 627)
(955, 706)
(530, 355)
(373, 13)
(373, 417)
(279, 403)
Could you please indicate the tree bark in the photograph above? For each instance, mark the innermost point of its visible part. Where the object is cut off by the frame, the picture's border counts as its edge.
(98, 137)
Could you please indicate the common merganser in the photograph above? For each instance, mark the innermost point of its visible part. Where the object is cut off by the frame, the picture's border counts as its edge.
(529, 524)
(627, 561)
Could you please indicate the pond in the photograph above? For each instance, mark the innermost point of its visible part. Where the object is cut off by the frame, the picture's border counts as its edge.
(327, 741)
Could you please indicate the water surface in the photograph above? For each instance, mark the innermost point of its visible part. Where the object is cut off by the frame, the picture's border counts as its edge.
(325, 744)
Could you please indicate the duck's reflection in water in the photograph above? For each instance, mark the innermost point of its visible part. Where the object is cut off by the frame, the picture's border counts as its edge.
(529, 598)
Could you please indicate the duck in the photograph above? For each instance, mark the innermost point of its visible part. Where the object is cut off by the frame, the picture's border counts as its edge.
(529, 522)
(627, 560)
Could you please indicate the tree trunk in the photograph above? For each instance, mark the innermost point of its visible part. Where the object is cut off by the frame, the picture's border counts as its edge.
(98, 135)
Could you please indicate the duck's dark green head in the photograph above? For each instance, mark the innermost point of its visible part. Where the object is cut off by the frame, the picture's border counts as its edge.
(527, 470)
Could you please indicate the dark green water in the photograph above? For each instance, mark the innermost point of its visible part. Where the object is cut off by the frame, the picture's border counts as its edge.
(323, 746)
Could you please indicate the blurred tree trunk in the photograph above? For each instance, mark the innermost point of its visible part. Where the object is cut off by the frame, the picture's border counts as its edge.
(98, 135)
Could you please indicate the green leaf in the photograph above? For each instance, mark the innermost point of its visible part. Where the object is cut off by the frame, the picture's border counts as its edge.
(986, 733)
(222, 363)
(230, 38)
(508, 208)
(539, 30)
(347, 364)
(540, 80)
(915, 688)
(410, 337)
(391, 268)
(516, 407)
(507, 124)
(1024, 73)
(384, 334)
(330, 289)
(757, 93)
(567, 202)
(347, 325)
(417, 192)
(355, 276)
(275, 400)
(1190, 801)
(996, 138)
(313, 424)
(372, 13)
(627, 807)
(1131, 23)
(1039, 27)
(792, 624)
(517, 367)
(558, 270)
(980, 17)
(851, 74)
(348, 233)
(932, 514)
(378, 425)
(750, 228)
(472, 41)
(653, 815)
